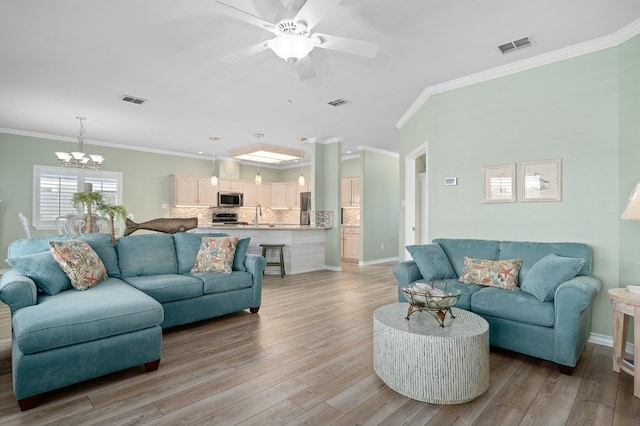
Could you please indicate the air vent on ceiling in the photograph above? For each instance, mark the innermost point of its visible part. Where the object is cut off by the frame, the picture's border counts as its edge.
(338, 102)
(512, 46)
(133, 99)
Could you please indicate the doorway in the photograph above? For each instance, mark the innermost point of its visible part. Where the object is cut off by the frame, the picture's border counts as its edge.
(416, 200)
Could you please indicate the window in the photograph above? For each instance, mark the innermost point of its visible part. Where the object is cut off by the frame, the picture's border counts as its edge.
(53, 188)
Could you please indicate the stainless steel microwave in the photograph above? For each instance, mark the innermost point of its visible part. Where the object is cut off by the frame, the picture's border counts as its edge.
(230, 199)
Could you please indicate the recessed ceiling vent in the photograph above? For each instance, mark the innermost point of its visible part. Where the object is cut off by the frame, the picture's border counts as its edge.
(512, 46)
(133, 99)
(338, 102)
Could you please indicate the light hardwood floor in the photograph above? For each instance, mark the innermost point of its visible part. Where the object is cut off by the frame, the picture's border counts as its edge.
(306, 358)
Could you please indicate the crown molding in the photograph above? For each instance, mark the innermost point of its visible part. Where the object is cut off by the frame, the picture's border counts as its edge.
(379, 151)
(97, 143)
(580, 49)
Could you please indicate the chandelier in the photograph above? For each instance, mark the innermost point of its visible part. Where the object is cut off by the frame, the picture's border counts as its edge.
(77, 158)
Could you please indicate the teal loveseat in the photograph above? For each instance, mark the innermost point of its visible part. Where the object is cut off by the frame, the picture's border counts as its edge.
(547, 316)
(70, 336)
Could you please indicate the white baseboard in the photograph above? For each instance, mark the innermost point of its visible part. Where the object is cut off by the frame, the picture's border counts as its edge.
(604, 340)
(333, 268)
(377, 261)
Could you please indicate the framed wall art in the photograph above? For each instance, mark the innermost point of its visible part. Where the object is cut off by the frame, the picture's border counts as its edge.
(541, 180)
(499, 184)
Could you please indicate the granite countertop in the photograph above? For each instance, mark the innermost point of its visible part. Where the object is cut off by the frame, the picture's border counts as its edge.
(265, 226)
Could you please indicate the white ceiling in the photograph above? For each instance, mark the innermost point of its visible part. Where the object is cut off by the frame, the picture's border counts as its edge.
(65, 58)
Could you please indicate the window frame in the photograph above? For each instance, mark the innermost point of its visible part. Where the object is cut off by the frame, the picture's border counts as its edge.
(81, 175)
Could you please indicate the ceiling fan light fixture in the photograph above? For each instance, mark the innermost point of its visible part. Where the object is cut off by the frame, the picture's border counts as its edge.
(291, 48)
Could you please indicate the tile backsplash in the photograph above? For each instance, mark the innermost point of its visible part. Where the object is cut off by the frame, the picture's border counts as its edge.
(350, 216)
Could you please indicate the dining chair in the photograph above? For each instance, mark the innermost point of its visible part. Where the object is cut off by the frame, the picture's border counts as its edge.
(26, 225)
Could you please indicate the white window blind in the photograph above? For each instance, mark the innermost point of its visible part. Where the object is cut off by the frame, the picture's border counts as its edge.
(54, 187)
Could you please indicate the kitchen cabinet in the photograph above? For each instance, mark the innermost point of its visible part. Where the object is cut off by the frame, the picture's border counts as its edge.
(292, 195)
(226, 185)
(254, 194)
(192, 191)
(350, 192)
(350, 243)
(278, 196)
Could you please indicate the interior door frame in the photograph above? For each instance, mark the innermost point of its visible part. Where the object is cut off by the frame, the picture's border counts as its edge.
(410, 177)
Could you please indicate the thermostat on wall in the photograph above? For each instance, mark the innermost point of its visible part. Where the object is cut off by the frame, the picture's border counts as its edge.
(450, 181)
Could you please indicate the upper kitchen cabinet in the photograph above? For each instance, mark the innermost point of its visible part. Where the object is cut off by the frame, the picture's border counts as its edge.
(226, 185)
(256, 194)
(192, 191)
(350, 192)
(278, 196)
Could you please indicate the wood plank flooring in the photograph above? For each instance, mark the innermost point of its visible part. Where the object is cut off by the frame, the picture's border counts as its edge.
(306, 359)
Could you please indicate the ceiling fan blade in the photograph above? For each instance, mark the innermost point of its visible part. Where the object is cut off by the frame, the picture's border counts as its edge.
(249, 18)
(245, 53)
(313, 11)
(305, 69)
(347, 45)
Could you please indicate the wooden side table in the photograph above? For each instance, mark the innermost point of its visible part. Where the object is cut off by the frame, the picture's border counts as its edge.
(626, 304)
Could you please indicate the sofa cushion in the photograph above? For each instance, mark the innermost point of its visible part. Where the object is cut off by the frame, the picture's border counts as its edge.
(216, 254)
(457, 249)
(149, 254)
(100, 242)
(530, 253)
(167, 287)
(102, 245)
(432, 262)
(241, 254)
(72, 317)
(43, 269)
(513, 305)
(78, 260)
(187, 245)
(494, 273)
(218, 282)
(548, 273)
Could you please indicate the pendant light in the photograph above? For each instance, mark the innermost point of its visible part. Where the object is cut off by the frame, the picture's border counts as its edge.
(214, 178)
(258, 179)
(301, 180)
(77, 158)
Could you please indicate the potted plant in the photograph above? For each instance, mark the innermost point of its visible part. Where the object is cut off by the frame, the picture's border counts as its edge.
(113, 211)
(87, 199)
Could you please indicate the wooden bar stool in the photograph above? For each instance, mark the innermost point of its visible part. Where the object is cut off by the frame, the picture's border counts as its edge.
(278, 247)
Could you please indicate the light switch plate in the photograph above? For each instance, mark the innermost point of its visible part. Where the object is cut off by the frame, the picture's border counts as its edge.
(451, 181)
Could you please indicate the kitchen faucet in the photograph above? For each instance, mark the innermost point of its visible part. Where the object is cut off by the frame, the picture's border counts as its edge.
(258, 209)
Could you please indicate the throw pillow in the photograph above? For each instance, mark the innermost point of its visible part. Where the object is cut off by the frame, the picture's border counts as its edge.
(432, 262)
(78, 260)
(43, 269)
(493, 273)
(241, 254)
(548, 273)
(216, 254)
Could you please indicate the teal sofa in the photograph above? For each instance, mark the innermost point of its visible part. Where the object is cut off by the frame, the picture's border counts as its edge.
(548, 316)
(71, 336)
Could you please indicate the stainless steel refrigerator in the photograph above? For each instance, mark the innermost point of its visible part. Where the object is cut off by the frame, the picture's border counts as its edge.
(305, 208)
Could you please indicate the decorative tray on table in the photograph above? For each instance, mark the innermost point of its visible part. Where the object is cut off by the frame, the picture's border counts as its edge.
(436, 301)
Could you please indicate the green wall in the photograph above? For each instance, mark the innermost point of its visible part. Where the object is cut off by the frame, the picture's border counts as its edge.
(351, 167)
(583, 110)
(379, 209)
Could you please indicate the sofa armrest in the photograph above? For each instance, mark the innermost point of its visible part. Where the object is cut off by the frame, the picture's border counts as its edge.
(17, 290)
(255, 264)
(576, 294)
(573, 305)
(406, 272)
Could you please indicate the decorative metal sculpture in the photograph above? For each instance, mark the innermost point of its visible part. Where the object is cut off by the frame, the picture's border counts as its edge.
(170, 226)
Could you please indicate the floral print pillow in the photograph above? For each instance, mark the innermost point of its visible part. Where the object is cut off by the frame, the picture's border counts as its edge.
(494, 273)
(216, 254)
(78, 260)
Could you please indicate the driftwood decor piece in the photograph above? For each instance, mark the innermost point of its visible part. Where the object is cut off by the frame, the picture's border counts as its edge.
(170, 226)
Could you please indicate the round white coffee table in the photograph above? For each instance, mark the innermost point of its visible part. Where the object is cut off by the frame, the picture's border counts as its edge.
(423, 361)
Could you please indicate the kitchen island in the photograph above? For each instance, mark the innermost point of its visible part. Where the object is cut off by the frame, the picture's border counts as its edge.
(303, 250)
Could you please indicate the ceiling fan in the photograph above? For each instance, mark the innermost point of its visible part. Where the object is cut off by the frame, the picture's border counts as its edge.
(293, 38)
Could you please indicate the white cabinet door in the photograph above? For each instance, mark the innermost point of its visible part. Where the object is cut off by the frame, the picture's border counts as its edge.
(291, 196)
(264, 194)
(250, 191)
(207, 193)
(350, 192)
(278, 198)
